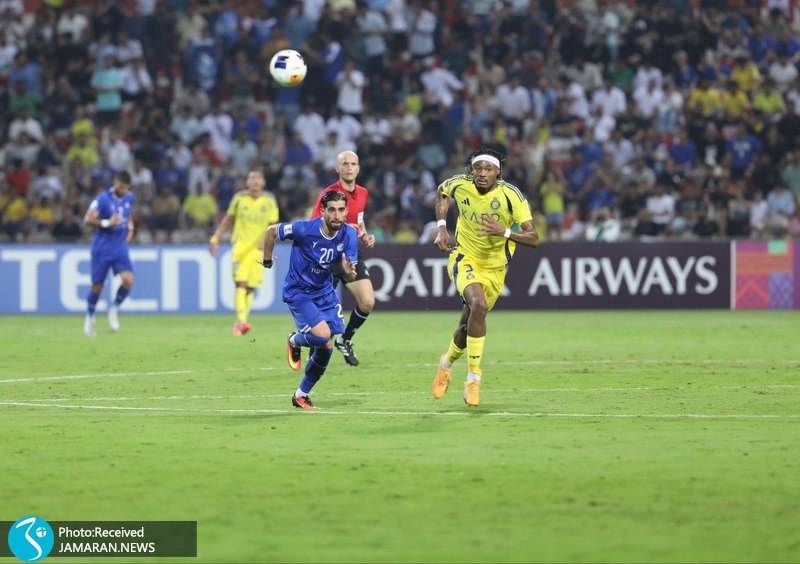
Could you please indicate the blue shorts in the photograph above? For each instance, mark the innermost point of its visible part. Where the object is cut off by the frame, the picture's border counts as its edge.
(308, 312)
(101, 264)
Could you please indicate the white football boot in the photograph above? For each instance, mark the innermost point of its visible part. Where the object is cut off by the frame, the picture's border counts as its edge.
(88, 326)
(113, 317)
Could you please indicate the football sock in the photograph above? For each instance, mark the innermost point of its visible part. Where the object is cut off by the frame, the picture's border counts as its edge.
(240, 301)
(315, 368)
(357, 319)
(309, 340)
(91, 301)
(248, 304)
(474, 352)
(454, 352)
(122, 293)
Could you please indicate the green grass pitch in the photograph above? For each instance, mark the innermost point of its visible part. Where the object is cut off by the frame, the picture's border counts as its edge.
(601, 437)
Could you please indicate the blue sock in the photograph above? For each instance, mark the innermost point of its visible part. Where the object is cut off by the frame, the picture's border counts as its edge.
(309, 340)
(122, 293)
(91, 301)
(315, 367)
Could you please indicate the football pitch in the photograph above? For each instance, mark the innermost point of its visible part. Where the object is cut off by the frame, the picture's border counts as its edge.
(601, 437)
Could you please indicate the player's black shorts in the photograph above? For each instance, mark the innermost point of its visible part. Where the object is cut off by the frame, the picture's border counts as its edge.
(362, 272)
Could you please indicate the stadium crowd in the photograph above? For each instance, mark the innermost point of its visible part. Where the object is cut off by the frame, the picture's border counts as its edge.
(644, 120)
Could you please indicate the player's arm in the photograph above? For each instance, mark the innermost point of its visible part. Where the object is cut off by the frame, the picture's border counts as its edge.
(364, 237)
(131, 230)
(442, 241)
(222, 228)
(350, 256)
(270, 237)
(92, 217)
(526, 236)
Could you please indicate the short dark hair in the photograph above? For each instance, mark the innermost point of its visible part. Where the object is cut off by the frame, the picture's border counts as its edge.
(332, 196)
(484, 151)
(123, 176)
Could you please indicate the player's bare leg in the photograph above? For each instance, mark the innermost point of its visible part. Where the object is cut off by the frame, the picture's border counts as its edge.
(458, 345)
(89, 323)
(320, 340)
(475, 299)
(365, 302)
(124, 289)
(241, 304)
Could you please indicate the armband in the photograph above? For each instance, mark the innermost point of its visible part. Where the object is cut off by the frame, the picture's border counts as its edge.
(105, 223)
(441, 223)
(214, 240)
(362, 236)
(507, 234)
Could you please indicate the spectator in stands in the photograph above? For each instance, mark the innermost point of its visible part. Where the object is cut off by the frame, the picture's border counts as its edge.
(68, 229)
(781, 206)
(107, 82)
(164, 219)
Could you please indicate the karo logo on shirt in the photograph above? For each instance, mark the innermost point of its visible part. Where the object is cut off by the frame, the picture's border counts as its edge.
(287, 229)
(340, 246)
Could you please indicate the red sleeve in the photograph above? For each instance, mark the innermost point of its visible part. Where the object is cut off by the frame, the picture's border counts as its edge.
(315, 213)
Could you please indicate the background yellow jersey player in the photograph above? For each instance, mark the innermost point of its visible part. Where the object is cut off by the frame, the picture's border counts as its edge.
(488, 206)
(251, 211)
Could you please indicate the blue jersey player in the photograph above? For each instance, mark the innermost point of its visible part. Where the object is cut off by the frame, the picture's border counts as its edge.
(110, 214)
(308, 289)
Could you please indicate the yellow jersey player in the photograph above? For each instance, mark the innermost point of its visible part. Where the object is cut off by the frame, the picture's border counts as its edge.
(250, 212)
(488, 206)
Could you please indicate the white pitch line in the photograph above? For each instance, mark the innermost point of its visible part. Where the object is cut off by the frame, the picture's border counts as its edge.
(590, 362)
(416, 413)
(413, 392)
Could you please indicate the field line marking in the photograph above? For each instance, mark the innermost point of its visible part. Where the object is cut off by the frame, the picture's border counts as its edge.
(418, 392)
(590, 362)
(412, 413)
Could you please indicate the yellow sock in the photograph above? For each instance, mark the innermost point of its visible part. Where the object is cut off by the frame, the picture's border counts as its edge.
(248, 304)
(240, 301)
(454, 352)
(474, 352)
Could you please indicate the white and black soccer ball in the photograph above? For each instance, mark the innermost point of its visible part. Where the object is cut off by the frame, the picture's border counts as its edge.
(288, 68)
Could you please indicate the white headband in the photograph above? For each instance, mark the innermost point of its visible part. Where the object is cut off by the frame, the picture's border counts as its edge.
(488, 158)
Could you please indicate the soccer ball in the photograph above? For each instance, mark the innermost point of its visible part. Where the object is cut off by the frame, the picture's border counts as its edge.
(287, 67)
(41, 532)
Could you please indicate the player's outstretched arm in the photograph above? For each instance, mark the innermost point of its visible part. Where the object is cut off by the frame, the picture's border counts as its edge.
(270, 237)
(213, 243)
(442, 241)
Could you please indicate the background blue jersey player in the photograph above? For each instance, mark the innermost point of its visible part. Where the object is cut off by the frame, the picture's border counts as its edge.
(110, 214)
(308, 289)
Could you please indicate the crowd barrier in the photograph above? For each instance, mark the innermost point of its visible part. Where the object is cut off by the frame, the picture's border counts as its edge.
(54, 279)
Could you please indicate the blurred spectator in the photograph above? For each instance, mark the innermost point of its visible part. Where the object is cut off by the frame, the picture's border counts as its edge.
(68, 229)
(200, 211)
(48, 184)
(758, 215)
(551, 194)
(13, 212)
(25, 123)
(107, 82)
(781, 206)
(603, 228)
(164, 219)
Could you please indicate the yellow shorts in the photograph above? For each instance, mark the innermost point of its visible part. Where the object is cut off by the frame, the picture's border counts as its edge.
(247, 270)
(465, 271)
